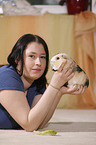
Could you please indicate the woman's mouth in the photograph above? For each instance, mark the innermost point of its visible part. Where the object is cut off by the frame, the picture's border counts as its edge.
(36, 70)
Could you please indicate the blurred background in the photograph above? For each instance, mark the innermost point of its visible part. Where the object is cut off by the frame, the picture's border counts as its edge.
(44, 2)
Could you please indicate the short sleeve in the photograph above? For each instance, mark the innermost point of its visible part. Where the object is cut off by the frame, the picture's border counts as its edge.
(10, 80)
(32, 92)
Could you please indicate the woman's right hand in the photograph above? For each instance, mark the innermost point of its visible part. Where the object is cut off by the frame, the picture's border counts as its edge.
(62, 75)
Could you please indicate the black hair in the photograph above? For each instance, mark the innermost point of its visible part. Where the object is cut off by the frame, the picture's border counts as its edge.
(16, 55)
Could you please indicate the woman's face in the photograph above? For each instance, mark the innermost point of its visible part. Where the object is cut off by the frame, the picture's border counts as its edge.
(34, 61)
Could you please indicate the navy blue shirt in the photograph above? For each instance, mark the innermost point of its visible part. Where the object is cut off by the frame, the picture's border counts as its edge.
(10, 80)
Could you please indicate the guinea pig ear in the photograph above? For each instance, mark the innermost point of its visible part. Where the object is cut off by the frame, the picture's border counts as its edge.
(87, 83)
(64, 56)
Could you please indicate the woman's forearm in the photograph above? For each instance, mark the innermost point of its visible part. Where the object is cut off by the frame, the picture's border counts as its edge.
(51, 110)
(39, 112)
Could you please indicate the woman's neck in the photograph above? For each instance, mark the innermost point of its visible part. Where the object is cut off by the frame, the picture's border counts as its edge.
(27, 82)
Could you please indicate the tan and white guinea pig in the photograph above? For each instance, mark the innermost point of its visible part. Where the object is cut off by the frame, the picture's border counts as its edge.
(79, 78)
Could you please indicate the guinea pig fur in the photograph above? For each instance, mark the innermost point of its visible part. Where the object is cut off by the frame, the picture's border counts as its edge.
(79, 78)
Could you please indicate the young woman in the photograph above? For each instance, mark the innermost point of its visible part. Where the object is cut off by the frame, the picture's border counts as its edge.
(25, 101)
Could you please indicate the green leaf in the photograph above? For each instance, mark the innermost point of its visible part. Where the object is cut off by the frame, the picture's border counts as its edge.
(48, 132)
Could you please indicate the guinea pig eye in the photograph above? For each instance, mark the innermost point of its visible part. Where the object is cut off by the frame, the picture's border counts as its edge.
(58, 58)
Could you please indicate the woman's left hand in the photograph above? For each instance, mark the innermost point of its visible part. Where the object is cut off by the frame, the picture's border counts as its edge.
(74, 90)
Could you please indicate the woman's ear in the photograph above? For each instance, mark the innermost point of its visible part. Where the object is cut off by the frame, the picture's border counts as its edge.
(18, 66)
(16, 61)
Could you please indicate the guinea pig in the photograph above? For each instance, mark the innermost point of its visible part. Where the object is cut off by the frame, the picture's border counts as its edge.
(79, 78)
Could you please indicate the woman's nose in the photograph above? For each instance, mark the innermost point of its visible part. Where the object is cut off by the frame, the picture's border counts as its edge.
(37, 61)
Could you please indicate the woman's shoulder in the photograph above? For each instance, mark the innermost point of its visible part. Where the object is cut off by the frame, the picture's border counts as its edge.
(8, 71)
(9, 78)
(7, 68)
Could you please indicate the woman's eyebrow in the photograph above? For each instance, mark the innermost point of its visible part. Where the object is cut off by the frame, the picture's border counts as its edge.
(43, 53)
(36, 53)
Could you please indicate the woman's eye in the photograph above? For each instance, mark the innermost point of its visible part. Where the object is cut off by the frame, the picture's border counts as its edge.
(43, 57)
(32, 56)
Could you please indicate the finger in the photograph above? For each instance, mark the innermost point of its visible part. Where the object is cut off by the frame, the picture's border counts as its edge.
(73, 65)
(69, 72)
(73, 89)
(83, 89)
(69, 68)
(62, 65)
(70, 76)
(80, 90)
